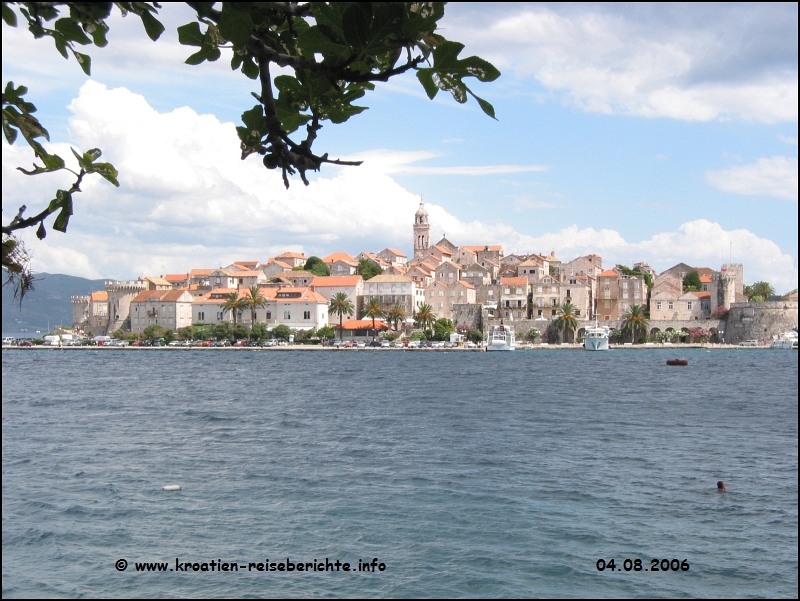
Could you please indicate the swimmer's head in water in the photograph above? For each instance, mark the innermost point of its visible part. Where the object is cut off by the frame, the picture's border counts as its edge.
(721, 485)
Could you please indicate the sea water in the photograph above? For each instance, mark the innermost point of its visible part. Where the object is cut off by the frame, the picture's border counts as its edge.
(459, 474)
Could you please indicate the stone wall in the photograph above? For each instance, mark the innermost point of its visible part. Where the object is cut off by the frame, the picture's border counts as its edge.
(760, 321)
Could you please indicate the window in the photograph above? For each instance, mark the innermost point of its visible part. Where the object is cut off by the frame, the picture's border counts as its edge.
(433, 293)
(519, 290)
(538, 289)
(491, 292)
(201, 316)
(461, 293)
(441, 305)
(554, 302)
(607, 304)
(553, 312)
(306, 314)
(219, 315)
(658, 305)
(689, 305)
(636, 295)
(506, 291)
(441, 293)
(269, 314)
(670, 306)
(287, 314)
(624, 285)
(539, 313)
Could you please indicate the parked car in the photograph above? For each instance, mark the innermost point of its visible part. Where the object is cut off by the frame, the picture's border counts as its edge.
(385, 344)
(470, 344)
(749, 343)
(361, 344)
(414, 344)
(25, 343)
(348, 344)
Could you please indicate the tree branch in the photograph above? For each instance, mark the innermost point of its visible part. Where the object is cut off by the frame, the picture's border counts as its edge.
(18, 223)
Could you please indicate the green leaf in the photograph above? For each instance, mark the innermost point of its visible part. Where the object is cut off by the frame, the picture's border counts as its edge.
(190, 35)
(72, 31)
(254, 119)
(341, 113)
(107, 171)
(9, 16)
(99, 34)
(355, 26)
(208, 53)
(425, 77)
(62, 220)
(92, 155)
(250, 68)
(235, 24)
(85, 61)
(313, 40)
(485, 106)
(152, 26)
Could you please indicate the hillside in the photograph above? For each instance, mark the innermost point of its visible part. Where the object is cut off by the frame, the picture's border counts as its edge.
(49, 302)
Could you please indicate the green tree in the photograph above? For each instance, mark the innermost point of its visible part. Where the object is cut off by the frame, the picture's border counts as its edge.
(169, 336)
(374, 310)
(153, 332)
(637, 272)
(233, 304)
(759, 289)
(330, 55)
(326, 333)
(691, 282)
(253, 299)
(317, 267)
(396, 315)
(118, 334)
(282, 331)
(367, 269)
(425, 317)
(635, 323)
(566, 320)
(186, 333)
(533, 334)
(221, 331)
(341, 305)
(475, 335)
(259, 331)
(239, 331)
(442, 328)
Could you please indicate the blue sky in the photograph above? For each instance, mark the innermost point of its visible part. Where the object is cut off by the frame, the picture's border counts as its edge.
(662, 133)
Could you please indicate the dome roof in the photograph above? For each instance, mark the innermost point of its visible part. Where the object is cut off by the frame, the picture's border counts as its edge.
(421, 210)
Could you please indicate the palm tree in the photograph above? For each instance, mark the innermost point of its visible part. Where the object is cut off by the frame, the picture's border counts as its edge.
(762, 289)
(566, 318)
(425, 317)
(395, 315)
(374, 309)
(341, 304)
(233, 304)
(635, 323)
(254, 300)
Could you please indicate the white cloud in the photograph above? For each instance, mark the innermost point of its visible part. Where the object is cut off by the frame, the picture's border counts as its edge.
(388, 161)
(775, 177)
(188, 201)
(604, 60)
(791, 140)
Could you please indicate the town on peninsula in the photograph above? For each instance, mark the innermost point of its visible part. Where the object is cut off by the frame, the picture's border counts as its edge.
(465, 289)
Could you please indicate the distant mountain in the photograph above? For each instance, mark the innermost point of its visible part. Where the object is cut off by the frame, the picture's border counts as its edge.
(49, 302)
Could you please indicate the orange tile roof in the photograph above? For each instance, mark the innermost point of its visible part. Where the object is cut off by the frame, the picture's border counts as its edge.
(394, 251)
(173, 295)
(705, 279)
(290, 255)
(306, 295)
(339, 256)
(444, 251)
(100, 296)
(176, 277)
(608, 273)
(468, 285)
(147, 295)
(194, 273)
(335, 280)
(247, 264)
(362, 324)
(703, 294)
(477, 248)
(514, 281)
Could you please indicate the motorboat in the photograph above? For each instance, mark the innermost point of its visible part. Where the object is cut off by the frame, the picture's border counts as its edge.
(596, 338)
(501, 338)
(786, 341)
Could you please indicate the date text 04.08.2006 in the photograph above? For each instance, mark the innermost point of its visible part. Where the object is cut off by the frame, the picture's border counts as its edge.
(656, 565)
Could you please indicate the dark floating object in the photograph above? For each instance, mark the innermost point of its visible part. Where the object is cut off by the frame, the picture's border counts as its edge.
(677, 362)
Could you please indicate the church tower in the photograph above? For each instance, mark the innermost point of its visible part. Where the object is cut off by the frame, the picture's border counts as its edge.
(422, 231)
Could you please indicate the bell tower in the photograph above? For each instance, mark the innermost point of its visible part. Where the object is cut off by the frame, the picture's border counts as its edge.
(422, 231)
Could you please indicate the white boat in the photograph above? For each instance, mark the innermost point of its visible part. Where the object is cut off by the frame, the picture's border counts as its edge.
(501, 338)
(596, 338)
(786, 341)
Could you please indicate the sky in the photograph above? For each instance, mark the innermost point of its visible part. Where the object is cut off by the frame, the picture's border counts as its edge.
(662, 133)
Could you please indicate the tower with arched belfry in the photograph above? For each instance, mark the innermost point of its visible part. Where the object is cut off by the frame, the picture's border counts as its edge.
(422, 231)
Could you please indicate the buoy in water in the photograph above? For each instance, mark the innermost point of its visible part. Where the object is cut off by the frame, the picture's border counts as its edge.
(677, 362)
(171, 487)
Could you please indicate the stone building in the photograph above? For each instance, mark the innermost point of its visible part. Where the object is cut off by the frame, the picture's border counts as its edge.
(169, 309)
(90, 313)
(422, 231)
(390, 290)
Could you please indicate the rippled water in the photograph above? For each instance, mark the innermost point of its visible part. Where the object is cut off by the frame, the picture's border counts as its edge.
(467, 474)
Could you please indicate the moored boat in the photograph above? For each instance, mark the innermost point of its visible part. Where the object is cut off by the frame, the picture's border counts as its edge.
(786, 341)
(677, 362)
(596, 338)
(501, 338)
